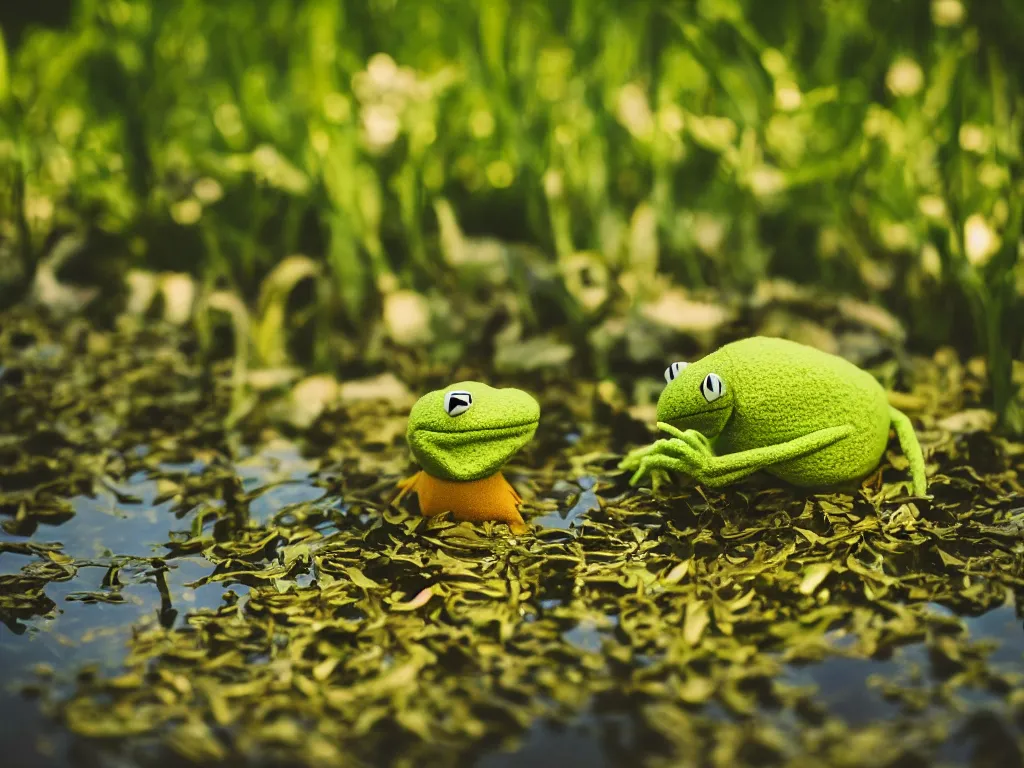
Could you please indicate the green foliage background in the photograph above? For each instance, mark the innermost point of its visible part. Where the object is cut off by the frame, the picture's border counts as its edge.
(604, 151)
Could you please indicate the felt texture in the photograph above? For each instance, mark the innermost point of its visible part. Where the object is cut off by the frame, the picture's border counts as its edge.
(491, 498)
(462, 435)
(800, 414)
(479, 441)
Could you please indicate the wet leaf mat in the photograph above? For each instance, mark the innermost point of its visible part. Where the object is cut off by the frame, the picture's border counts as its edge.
(210, 601)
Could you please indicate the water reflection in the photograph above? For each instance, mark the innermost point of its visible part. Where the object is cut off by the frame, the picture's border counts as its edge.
(1004, 626)
(548, 744)
(103, 526)
(123, 529)
(591, 634)
(845, 684)
(565, 519)
(119, 529)
(270, 502)
(847, 688)
(607, 734)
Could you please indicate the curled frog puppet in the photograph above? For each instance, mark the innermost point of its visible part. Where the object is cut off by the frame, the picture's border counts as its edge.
(808, 417)
(462, 435)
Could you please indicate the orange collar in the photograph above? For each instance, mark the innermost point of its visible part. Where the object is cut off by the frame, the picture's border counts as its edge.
(491, 498)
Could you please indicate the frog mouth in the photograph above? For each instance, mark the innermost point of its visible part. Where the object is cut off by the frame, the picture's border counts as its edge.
(469, 454)
(486, 433)
(692, 414)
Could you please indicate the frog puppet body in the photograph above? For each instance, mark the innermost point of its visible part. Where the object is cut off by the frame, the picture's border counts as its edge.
(461, 436)
(805, 416)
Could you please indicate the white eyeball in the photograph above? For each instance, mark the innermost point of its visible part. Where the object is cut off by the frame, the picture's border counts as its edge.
(674, 370)
(712, 387)
(457, 402)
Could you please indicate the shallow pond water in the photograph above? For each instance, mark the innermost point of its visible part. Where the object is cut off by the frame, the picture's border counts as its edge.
(88, 633)
(177, 594)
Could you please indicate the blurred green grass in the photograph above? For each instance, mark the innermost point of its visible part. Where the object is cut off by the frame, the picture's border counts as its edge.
(606, 151)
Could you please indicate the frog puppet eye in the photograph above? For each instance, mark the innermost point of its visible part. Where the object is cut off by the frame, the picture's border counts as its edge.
(457, 402)
(712, 387)
(674, 370)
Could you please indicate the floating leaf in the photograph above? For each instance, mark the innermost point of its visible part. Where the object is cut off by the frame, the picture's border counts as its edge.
(813, 576)
(421, 599)
(697, 619)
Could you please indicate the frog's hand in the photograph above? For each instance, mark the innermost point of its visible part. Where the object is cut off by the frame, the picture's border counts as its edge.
(911, 449)
(717, 471)
(635, 457)
(671, 463)
(632, 459)
(680, 441)
(696, 440)
(677, 454)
